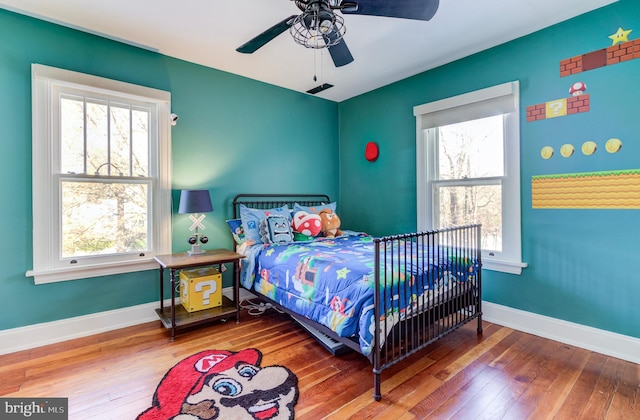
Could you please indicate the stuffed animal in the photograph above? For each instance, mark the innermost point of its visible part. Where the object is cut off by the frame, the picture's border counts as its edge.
(305, 225)
(276, 229)
(330, 223)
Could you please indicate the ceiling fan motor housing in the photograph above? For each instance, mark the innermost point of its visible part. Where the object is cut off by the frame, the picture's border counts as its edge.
(318, 26)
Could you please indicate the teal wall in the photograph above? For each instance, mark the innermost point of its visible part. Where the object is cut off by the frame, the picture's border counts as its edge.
(582, 262)
(232, 132)
(230, 138)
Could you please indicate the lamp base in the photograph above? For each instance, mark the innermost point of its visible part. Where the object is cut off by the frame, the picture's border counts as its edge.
(195, 250)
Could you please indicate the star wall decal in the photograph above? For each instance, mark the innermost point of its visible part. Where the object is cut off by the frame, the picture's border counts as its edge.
(620, 36)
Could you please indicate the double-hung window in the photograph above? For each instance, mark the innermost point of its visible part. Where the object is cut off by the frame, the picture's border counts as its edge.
(101, 175)
(468, 169)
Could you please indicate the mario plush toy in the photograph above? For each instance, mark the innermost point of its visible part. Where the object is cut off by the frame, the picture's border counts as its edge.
(330, 223)
(220, 384)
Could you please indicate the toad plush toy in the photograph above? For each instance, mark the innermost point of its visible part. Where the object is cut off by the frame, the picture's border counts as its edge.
(330, 223)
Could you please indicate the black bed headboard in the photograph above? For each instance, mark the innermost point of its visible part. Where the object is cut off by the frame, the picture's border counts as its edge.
(267, 201)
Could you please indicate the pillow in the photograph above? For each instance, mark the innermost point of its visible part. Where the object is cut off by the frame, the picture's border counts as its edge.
(237, 230)
(314, 209)
(251, 220)
(276, 229)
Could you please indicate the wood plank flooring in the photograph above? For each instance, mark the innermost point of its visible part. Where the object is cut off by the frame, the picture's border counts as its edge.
(503, 374)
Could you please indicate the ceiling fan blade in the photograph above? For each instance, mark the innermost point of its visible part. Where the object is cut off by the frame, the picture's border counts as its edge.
(406, 9)
(259, 41)
(340, 53)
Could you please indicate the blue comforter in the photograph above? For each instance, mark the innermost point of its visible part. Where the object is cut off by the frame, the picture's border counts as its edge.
(331, 281)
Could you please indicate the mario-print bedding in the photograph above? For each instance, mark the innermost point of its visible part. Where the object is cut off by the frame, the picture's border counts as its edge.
(331, 281)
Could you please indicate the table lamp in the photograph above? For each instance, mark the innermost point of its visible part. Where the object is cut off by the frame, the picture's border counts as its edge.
(195, 202)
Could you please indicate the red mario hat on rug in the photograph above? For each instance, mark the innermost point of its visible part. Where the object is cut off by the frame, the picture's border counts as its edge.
(187, 378)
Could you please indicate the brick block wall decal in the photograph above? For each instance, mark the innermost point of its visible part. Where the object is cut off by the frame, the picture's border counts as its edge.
(559, 108)
(615, 54)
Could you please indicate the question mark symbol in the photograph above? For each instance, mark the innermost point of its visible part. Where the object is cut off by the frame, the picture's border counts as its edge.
(556, 106)
(212, 286)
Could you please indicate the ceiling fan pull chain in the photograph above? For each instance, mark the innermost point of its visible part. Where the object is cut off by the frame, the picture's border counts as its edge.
(321, 65)
(315, 65)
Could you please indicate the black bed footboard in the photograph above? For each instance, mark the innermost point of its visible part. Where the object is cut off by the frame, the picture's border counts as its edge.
(428, 284)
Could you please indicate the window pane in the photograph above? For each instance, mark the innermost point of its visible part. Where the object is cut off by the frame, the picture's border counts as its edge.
(72, 135)
(140, 144)
(103, 218)
(120, 140)
(97, 138)
(465, 205)
(471, 149)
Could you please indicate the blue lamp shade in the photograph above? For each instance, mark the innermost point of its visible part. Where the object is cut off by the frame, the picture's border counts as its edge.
(195, 201)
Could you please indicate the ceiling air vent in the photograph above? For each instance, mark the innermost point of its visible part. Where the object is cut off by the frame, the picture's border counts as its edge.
(320, 88)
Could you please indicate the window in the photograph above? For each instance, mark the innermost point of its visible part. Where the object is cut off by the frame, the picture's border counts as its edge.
(468, 169)
(101, 176)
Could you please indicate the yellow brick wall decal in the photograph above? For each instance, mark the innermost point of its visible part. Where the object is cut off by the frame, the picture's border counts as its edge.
(587, 190)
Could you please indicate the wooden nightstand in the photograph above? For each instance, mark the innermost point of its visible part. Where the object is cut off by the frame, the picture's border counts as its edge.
(174, 316)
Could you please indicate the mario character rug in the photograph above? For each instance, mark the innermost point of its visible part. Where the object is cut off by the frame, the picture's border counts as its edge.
(221, 384)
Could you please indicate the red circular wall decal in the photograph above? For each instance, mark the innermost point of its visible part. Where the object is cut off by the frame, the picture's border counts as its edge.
(371, 151)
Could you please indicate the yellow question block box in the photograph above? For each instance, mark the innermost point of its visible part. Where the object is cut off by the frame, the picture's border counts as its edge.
(557, 108)
(200, 289)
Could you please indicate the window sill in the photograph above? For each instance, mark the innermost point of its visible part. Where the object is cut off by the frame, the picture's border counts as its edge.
(509, 267)
(75, 273)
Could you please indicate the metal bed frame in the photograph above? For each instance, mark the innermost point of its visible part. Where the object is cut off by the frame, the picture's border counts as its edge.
(428, 320)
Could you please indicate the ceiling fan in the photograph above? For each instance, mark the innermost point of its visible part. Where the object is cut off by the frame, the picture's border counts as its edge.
(319, 26)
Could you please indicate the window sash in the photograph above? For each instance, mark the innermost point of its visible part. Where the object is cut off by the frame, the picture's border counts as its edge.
(489, 180)
(133, 105)
(133, 254)
(439, 219)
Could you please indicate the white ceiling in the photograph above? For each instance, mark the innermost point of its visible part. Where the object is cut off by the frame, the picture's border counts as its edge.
(385, 50)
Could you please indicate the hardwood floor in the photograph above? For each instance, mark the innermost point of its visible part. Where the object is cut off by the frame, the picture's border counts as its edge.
(504, 374)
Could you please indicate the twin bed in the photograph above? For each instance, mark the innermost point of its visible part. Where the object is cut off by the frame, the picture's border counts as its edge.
(386, 298)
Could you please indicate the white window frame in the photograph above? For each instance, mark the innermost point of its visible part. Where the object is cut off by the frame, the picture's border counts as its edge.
(495, 100)
(48, 266)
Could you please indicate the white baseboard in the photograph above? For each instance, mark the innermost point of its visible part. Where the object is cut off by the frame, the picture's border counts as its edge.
(605, 342)
(31, 336)
(37, 335)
